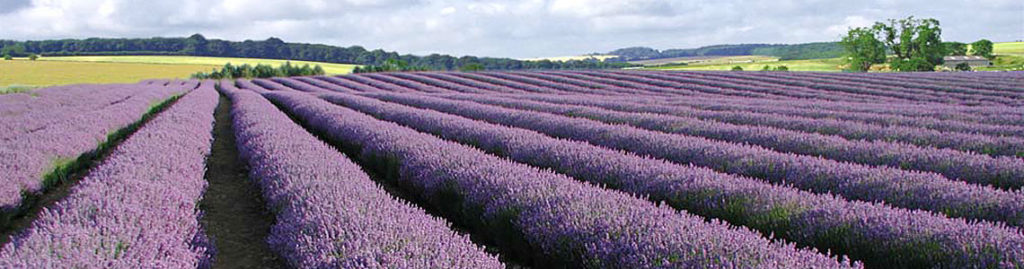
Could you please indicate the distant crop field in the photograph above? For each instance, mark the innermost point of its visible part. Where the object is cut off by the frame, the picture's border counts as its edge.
(818, 65)
(46, 73)
(329, 68)
(1008, 48)
(1009, 58)
(709, 60)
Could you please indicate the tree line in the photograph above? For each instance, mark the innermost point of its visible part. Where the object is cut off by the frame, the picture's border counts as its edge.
(816, 50)
(275, 48)
(403, 66)
(230, 71)
(907, 44)
(389, 66)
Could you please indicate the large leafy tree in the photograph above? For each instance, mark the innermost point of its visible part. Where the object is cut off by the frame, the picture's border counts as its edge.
(982, 48)
(195, 45)
(13, 50)
(955, 48)
(916, 43)
(862, 48)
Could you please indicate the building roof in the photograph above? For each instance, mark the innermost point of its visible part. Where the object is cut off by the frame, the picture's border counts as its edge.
(964, 58)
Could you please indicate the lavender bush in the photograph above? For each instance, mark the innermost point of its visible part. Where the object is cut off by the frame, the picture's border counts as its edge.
(913, 190)
(329, 213)
(555, 220)
(138, 208)
(1002, 172)
(63, 123)
(892, 237)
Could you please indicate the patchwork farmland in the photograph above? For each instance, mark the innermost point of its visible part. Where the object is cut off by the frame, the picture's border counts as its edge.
(538, 169)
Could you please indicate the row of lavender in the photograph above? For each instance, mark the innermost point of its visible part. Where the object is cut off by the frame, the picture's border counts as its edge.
(873, 232)
(138, 208)
(329, 213)
(1000, 171)
(364, 238)
(53, 126)
(949, 153)
(908, 189)
(852, 112)
(495, 82)
(759, 85)
(985, 138)
(890, 236)
(534, 216)
(1005, 142)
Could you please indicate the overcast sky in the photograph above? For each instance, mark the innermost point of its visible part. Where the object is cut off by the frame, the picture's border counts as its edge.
(519, 29)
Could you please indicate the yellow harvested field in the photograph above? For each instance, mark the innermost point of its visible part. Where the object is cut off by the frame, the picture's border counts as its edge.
(329, 68)
(47, 73)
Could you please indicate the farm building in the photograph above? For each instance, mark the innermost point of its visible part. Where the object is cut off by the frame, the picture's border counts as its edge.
(973, 61)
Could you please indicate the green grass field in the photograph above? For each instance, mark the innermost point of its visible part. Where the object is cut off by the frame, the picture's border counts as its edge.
(708, 60)
(1008, 48)
(1006, 62)
(819, 65)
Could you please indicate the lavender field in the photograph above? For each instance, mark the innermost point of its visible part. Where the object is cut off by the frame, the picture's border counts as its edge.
(519, 169)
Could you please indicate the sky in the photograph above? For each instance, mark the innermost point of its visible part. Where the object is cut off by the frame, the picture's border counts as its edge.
(517, 29)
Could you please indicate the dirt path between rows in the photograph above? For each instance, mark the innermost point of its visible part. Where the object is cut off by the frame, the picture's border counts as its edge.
(235, 217)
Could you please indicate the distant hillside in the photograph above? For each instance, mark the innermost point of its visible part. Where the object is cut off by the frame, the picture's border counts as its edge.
(817, 50)
(274, 48)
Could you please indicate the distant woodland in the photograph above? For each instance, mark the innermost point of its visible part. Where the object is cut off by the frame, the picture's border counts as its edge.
(275, 48)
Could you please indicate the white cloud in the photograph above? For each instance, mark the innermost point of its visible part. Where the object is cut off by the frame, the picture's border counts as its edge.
(509, 28)
(848, 22)
(448, 10)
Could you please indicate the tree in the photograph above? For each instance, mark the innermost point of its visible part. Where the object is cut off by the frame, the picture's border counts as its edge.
(33, 57)
(472, 67)
(195, 45)
(264, 71)
(982, 48)
(963, 67)
(737, 68)
(863, 48)
(781, 68)
(8, 57)
(955, 48)
(13, 50)
(229, 71)
(912, 64)
(917, 43)
(766, 68)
